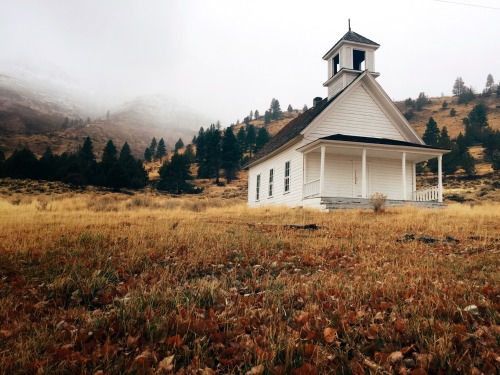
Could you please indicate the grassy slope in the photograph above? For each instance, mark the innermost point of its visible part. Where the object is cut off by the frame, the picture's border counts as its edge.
(133, 284)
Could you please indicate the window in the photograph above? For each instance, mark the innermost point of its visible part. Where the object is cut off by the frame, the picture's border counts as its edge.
(271, 182)
(335, 64)
(257, 190)
(358, 60)
(287, 177)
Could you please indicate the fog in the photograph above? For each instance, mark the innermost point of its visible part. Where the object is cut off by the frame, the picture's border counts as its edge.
(224, 58)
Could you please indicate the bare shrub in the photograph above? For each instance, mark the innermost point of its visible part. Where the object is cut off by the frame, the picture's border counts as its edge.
(105, 203)
(377, 201)
(142, 202)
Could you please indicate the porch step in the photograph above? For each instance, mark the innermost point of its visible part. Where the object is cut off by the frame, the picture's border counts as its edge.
(330, 204)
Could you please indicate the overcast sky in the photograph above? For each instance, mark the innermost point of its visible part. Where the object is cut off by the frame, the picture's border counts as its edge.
(227, 57)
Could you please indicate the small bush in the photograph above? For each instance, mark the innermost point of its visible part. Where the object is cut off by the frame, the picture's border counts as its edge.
(377, 201)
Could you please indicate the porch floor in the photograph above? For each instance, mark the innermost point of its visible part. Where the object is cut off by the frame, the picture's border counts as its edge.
(338, 203)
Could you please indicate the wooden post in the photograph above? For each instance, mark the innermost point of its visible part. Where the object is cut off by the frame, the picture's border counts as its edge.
(440, 178)
(322, 172)
(363, 175)
(303, 175)
(403, 174)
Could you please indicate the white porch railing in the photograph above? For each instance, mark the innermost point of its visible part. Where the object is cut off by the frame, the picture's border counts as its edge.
(430, 193)
(311, 188)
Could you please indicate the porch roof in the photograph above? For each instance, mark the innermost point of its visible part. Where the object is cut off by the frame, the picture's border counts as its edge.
(378, 147)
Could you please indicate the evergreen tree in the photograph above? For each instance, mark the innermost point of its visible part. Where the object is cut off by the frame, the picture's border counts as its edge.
(251, 139)
(490, 82)
(65, 123)
(465, 159)
(466, 96)
(251, 115)
(193, 141)
(475, 122)
(108, 171)
(262, 138)
(458, 87)
(431, 135)
(241, 136)
(109, 153)
(290, 108)
(179, 144)
(275, 110)
(22, 164)
(161, 150)
(267, 117)
(230, 155)
(131, 172)
(444, 105)
(421, 101)
(147, 155)
(200, 146)
(453, 112)
(2, 160)
(174, 175)
(152, 147)
(305, 108)
(48, 165)
(256, 114)
(209, 156)
(190, 153)
(86, 152)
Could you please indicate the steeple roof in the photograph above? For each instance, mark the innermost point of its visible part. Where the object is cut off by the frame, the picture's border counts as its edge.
(351, 36)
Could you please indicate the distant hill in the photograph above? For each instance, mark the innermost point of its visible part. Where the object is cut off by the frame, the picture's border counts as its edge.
(33, 110)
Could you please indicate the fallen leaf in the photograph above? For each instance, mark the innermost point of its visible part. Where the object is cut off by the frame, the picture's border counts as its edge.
(395, 357)
(305, 369)
(174, 341)
(329, 334)
(257, 370)
(166, 365)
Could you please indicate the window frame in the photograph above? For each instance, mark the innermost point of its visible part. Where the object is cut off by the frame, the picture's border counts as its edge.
(286, 186)
(257, 188)
(271, 183)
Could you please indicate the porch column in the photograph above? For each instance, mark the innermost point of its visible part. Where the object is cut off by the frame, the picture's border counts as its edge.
(304, 174)
(403, 169)
(322, 172)
(414, 185)
(363, 175)
(440, 178)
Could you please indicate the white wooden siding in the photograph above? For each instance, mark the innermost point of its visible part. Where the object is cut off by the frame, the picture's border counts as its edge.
(312, 166)
(358, 114)
(291, 198)
(386, 178)
(335, 88)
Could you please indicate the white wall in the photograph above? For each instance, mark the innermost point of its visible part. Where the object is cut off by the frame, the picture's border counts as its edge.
(292, 198)
(357, 114)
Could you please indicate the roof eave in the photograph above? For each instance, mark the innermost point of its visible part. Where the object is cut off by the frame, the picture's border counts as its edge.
(290, 143)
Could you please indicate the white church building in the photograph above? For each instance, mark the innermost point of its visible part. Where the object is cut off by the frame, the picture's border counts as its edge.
(348, 146)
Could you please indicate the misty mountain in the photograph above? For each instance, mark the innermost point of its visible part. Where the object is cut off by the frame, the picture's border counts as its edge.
(35, 103)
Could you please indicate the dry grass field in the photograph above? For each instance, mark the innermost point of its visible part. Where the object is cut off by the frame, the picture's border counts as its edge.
(99, 283)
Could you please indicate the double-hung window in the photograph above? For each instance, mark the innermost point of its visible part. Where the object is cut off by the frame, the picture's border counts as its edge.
(271, 182)
(257, 189)
(287, 177)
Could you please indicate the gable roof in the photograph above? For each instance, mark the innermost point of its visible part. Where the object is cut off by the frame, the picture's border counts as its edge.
(351, 36)
(293, 128)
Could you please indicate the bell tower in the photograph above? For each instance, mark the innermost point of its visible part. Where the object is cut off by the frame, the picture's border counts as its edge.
(349, 57)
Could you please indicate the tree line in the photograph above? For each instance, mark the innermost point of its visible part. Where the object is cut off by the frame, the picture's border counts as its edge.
(115, 170)
(477, 132)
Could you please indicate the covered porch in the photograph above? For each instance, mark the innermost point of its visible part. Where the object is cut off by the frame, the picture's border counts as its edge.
(354, 168)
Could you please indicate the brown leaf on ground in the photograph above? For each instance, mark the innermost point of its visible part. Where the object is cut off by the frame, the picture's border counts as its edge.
(330, 334)
(305, 369)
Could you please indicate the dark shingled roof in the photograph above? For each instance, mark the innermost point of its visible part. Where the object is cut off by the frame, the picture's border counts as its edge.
(380, 141)
(351, 36)
(292, 129)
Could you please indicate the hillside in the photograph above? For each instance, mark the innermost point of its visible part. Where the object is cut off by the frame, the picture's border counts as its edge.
(33, 112)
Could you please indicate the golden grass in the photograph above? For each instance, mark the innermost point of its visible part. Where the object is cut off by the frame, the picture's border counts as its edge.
(137, 284)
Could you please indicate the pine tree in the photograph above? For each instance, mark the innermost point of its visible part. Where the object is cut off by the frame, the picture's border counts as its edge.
(174, 175)
(86, 152)
(190, 153)
(475, 123)
(22, 164)
(490, 82)
(275, 110)
(290, 108)
(256, 114)
(147, 155)
(431, 135)
(250, 139)
(262, 138)
(267, 117)
(230, 155)
(200, 147)
(161, 150)
(109, 153)
(305, 108)
(132, 172)
(152, 147)
(251, 115)
(241, 137)
(179, 144)
(458, 87)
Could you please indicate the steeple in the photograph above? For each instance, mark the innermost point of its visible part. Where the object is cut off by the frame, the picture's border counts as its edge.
(348, 58)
